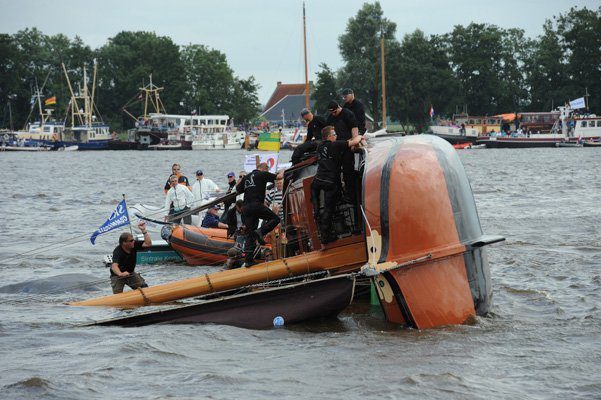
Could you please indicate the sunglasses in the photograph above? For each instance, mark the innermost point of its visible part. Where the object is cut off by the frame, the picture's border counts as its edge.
(130, 240)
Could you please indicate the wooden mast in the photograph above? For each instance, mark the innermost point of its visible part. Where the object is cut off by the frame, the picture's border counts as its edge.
(383, 82)
(306, 68)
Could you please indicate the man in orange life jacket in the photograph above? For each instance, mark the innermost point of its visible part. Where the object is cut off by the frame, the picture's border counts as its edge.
(181, 178)
(253, 186)
(330, 154)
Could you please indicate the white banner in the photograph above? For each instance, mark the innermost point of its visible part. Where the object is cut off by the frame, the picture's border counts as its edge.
(250, 162)
(578, 103)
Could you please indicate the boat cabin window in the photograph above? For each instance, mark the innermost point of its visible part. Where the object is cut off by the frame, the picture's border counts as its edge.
(583, 124)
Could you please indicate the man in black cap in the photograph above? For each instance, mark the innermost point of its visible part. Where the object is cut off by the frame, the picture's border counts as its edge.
(315, 124)
(356, 107)
(345, 124)
(253, 186)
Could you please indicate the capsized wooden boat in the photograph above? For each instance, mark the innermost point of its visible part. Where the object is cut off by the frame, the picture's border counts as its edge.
(273, 305)
(420, 239)
(424, 235)
(199, 246)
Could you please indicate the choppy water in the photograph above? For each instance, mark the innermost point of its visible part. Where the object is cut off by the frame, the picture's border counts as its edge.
(541, 341)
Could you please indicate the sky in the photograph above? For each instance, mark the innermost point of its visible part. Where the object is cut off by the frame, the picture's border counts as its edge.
(264, 38)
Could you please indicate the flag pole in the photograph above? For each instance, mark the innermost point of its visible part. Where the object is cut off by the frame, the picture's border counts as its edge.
(126, 213)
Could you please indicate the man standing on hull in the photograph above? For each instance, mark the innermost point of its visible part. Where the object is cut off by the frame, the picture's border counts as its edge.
(345, 125)
(315, 124)
(356, 107)
(327, 179)
(253, 186)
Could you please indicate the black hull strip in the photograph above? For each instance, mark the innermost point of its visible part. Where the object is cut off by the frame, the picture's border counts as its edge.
(257, 310)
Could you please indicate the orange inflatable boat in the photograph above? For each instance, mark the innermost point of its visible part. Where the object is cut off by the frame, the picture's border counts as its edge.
(199, 246)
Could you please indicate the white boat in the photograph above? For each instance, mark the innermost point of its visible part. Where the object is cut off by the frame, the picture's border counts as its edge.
(68, 148)
(211, 132)
(24, 148)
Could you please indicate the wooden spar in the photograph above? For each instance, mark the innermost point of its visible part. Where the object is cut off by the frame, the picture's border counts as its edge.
(74, 105)
(383, 83)
(306, 67)
(93, 92)
(342, 259)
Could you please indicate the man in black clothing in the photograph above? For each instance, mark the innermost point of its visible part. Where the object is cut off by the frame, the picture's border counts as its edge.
(356, 107)
(233, 218)
(124, 261)
(315, 124)
(231, 182)
(253, 186)
(345, 125)
(330, 154)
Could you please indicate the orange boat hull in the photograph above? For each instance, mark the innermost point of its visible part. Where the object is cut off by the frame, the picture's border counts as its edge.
(419, 206)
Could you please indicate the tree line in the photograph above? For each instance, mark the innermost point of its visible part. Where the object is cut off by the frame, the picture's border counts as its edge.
(483, 68)
(194, 77)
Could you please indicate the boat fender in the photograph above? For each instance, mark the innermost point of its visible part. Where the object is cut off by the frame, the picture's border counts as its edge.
(278, 321)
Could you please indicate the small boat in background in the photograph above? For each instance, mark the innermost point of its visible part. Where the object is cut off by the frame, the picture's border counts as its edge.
(591, 144)
(568, 144)
(68, 148)
(24, 148)
(199, 246)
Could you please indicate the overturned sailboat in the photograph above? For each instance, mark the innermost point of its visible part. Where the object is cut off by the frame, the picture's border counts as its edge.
(419, 239)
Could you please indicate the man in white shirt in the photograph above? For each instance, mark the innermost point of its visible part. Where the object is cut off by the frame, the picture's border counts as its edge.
(181, 198)
(203, 188)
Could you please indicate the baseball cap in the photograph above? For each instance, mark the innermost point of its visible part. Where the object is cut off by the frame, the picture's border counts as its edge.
(199, 172)
(231, 174)
(304, 112)
(347, 91)
(333, 105)
(215, 207)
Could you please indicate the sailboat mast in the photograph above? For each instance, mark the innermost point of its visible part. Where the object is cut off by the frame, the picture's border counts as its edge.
(383, 82)
(306, 67)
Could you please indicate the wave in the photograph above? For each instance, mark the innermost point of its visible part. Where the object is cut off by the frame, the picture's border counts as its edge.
(54, 284)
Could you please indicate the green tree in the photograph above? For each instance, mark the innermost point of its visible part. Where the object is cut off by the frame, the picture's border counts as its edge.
(474, 53)
(325, 89)
(580, 33)
(125, 64)
(419, 77)
(11, 88)
(210, 79)
(360, 49)
(246, 105)
(547, 76)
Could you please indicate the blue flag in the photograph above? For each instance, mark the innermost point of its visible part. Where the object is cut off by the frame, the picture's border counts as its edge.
(118, 218)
